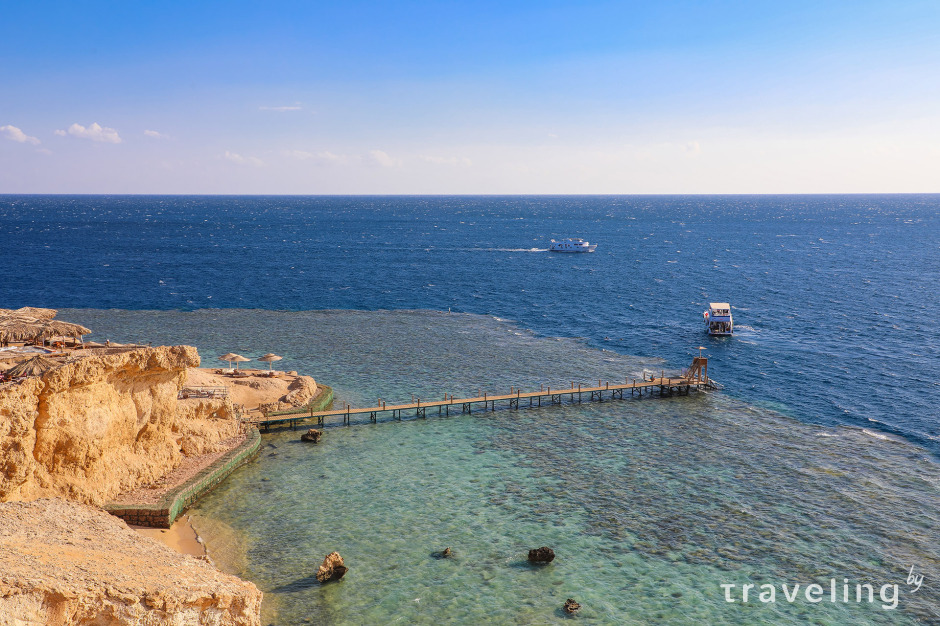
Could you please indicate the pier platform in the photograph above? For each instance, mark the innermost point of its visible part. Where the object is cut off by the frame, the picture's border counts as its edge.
(694, 379)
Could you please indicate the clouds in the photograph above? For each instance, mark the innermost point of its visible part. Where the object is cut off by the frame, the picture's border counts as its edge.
(15, 134)
(95, 132)
(372, 158)
(381, 158)
(323, 158)
(234, 157)
(154, 134)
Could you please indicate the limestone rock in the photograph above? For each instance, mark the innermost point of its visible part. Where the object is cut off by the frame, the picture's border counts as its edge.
(541, 555)
(94, 427)
(312, 435)
(332, 568)
(64, 563)
(300, 391)
(202, 424)
(571, 606)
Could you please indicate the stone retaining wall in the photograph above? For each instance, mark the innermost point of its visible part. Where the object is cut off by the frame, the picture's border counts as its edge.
(165, 512)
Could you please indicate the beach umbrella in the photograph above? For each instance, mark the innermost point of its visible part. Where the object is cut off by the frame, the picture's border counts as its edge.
(270, 358)
(50, 328)
(29, 311)
(36, 366)
(18, 328)
(231, 357)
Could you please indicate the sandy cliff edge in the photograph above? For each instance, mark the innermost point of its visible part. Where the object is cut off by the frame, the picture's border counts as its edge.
(66, 563)
(94, 427)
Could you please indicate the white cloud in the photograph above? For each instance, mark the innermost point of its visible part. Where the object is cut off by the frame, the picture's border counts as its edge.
(301, 155)
(692, 148)
(95, 132)
(454, 161)
(43, 151)
(154, 134)
(380, 158)
(15, 134)
(281, 109)
(242, 160)
(323, 158)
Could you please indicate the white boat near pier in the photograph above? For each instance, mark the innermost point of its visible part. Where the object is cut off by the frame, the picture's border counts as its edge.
(571, 245)
(718, 319)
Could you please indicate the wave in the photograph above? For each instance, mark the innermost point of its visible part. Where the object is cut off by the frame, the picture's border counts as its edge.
(876, 435)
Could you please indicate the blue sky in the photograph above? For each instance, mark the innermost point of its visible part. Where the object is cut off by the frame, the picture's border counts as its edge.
(482, 97)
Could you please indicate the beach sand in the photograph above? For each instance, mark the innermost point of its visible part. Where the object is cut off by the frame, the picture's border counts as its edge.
(250, 391)
(180, 537)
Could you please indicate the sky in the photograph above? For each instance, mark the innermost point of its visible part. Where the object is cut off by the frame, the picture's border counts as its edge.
(511, 97)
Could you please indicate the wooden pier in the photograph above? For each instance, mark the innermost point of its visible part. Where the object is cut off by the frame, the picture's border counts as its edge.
(694, 379)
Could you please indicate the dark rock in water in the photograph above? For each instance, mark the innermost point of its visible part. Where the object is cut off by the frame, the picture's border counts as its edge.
(571, 606)
(446, 553)
(332, 568)
(312, 435)
(541, 555)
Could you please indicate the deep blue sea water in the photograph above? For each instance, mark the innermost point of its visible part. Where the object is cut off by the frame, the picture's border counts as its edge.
(835, 297)
(818, 459)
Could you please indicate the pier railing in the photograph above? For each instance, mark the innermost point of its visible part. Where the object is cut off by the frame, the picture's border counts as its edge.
(693, 379)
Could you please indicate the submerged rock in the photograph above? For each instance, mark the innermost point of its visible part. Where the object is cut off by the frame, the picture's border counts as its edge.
(332, 568)
(446, 553)
(571, 606)
(541, 555)
(312, 435)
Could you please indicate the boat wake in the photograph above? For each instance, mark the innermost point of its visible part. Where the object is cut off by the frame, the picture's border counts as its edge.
(504, 249)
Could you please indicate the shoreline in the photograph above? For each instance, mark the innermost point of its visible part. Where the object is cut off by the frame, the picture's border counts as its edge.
(180, 537)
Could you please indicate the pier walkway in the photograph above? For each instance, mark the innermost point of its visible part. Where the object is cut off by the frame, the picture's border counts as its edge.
(695, 378)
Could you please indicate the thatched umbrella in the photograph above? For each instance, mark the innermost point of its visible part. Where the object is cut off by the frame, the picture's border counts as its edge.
(17, 329)
(31, 329)
(29, 311)
(270, 358)
(231, 357)
(51, 328)
(36, 366)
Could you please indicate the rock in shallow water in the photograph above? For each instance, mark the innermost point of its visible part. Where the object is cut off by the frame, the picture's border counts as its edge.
(571, 606)
(332, 568)
(312, 435)
(541, 555)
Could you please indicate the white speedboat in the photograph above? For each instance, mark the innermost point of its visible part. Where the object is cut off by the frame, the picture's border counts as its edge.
(571, 245)
(718, 319)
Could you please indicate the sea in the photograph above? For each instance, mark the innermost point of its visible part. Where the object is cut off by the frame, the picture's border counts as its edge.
(810, 477)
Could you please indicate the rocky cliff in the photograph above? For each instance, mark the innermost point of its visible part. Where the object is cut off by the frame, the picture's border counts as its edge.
(99, 425)
(64, 563)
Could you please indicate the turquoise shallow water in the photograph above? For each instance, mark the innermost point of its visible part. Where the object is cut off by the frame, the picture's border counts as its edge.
(650, 505)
